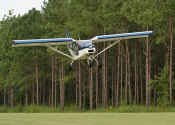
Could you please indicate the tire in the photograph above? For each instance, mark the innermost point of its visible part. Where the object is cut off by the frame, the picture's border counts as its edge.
(90, 63)
(69, 67)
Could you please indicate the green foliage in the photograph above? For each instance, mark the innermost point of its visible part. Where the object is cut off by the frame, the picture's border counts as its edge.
(161, 84)
(72, 109)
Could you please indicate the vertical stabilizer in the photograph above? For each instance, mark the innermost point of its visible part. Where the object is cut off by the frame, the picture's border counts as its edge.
(67, 32)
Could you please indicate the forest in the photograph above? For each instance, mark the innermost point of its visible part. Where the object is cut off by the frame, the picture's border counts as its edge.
(135, 72)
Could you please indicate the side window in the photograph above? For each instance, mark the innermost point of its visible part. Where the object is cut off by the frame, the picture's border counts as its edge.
(71, 46)
(74, 48)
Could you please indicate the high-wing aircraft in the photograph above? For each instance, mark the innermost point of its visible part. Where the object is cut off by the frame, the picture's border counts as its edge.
(80, 49)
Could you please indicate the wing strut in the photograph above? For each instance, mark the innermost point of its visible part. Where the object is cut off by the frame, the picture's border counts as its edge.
(59, 51)
(107, 48)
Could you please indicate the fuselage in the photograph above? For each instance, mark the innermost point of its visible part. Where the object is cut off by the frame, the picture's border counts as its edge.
(82, 49)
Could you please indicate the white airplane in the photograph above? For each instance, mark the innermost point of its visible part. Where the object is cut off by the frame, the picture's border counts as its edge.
(80, 49)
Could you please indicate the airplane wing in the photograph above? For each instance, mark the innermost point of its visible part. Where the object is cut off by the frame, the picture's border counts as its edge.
(114, 37)
(42, 42)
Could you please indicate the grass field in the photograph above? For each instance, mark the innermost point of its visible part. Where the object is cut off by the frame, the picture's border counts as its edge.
(87, 118)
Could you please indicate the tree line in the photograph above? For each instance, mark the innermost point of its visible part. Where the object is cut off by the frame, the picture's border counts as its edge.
(133, 72)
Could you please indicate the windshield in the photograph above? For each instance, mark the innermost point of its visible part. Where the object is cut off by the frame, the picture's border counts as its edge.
(84, 43)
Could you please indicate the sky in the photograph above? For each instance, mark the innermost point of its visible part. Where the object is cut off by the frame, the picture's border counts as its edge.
(19, 6)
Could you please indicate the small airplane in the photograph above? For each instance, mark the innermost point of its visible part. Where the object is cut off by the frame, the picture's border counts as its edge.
(80, 49)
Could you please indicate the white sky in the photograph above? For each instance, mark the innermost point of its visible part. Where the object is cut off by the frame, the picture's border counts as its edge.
(19, 6)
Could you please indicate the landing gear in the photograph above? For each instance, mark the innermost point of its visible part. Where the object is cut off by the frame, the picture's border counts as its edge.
(69, 66)
(90, 62)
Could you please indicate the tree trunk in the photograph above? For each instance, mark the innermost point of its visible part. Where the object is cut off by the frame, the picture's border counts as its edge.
(49, 93)
(115, 86)
(103, 80)
(79, 74)
(62, 88)
(149, 85)
(129, 76)
(33, 93)
(26, 98)
(52, 80)
(118, 77)
(84, 90)
(137, 91)
(136, 76)
(12, 101)
(106, 80)
(121, 77)
(167, 59)
(126, 77)
(97, 87)
(112, 87)
(97, 81)
(8, 97)
(91, 88)
(141, 80)
(141, 86)
(44, 92)
(155, 73)
(147, 73)
(76, 88)
(40, 92)
(37, 81)
(4, 98)
(171, 60)
(56, 82)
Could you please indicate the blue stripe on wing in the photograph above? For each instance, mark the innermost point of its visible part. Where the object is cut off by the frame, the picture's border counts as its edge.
(42, 40)
(125, 35)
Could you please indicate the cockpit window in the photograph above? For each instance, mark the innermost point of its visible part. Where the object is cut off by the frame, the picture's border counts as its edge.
(78, 45)
(74, 47)
(84, 43)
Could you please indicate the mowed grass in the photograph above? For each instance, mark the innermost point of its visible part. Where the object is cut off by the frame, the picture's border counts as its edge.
(87, 118)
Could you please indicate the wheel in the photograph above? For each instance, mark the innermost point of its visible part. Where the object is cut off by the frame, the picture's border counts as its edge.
(69, 67)
(90, 62)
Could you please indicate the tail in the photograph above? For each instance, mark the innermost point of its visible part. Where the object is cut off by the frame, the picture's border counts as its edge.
(67, 32)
